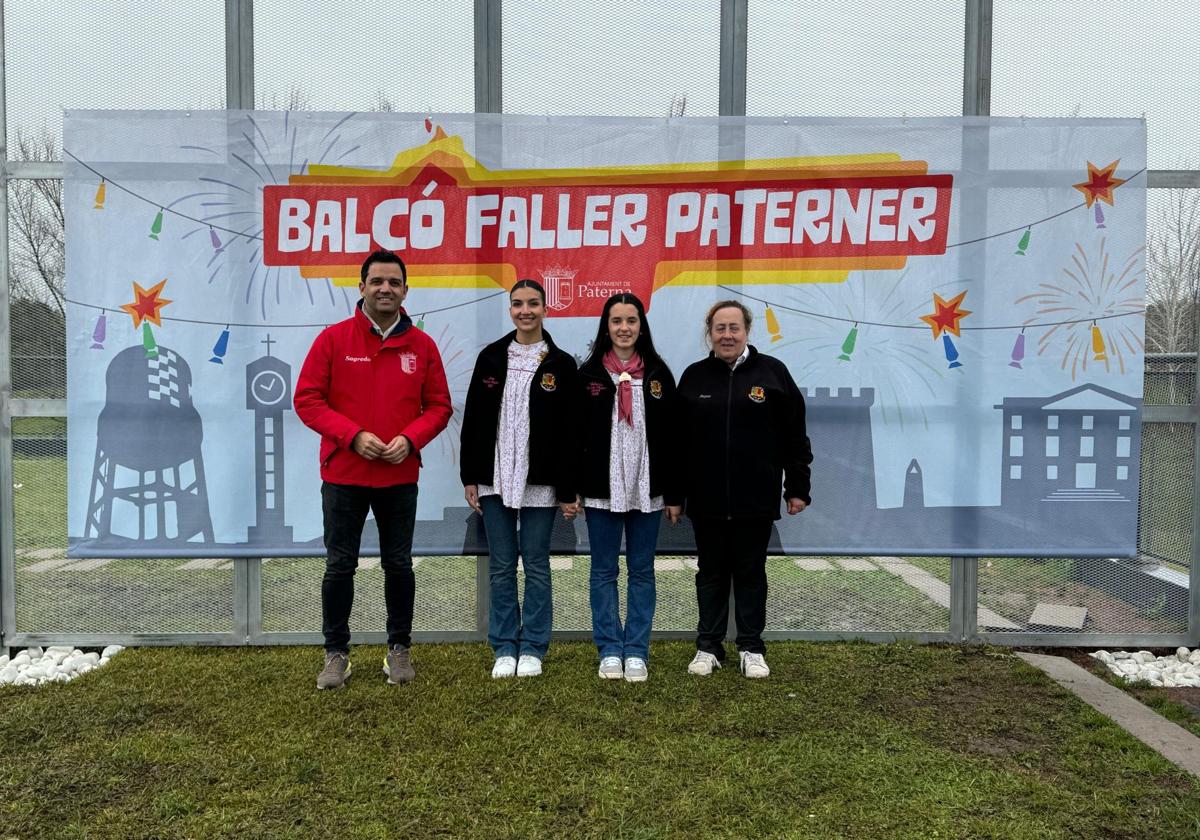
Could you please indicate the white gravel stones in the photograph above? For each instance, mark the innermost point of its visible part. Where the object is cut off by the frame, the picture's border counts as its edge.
(1182, 670)
(60, 663)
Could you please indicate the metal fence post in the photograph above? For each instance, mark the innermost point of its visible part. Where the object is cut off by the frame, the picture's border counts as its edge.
(239, 54)
(483, 595)
(977, 59)
(239, 94)
(958, 596)
(489, 89)
(733, 58)
(1193, 621)
(7, 513)
(732, 103)
(977, 91)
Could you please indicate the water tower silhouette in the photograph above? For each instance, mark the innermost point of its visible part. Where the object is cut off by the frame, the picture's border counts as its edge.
(148, 466)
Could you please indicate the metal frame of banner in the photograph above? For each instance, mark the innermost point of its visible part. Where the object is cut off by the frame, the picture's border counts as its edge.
(247, 587)
(7, 510)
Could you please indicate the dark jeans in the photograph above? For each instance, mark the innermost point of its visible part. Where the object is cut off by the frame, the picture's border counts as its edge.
(731, 551)
(345, 511)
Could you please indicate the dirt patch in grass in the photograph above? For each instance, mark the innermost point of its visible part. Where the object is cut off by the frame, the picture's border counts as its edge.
(972, 712)
(1105, 612)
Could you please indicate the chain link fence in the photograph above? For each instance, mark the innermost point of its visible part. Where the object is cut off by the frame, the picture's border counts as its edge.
(661, 58)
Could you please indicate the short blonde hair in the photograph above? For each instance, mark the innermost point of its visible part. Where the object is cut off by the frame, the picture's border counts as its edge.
(747, 318)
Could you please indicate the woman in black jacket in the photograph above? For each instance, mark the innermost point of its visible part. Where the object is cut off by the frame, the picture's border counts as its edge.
(628, 477)
(516, 462)
(744, 441)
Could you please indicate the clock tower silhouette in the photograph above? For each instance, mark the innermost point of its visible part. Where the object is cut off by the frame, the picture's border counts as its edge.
(268, 395)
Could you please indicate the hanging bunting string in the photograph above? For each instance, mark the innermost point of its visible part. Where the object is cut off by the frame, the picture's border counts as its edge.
(1024, 243)
(219, 349)
(98, 333)
(848, 343)
(154, 203)
(148, 341)
(825, 317)
(773, 325)
(1098, 348)
(1018, 351)
(284, 326)
(258, 237)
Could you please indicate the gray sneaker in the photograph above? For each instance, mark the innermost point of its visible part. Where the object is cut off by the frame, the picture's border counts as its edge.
(398, 665)
(336, 671)
(610, 668)
(635, 669)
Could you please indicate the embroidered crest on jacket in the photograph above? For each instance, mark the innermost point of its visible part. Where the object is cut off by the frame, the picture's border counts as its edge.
(408, 362)
(758, 394)
(655, 389)
(548, 383)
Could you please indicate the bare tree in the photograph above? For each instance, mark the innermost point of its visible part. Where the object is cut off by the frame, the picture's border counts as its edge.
(1173, 275)
(36, 256)
(1172, 298)
(294, 100)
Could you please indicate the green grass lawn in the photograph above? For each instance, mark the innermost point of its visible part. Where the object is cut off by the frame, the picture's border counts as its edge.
(844, 740)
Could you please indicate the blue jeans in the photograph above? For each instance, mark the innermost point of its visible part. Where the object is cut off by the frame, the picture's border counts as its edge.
(641, 537)
(508, 634)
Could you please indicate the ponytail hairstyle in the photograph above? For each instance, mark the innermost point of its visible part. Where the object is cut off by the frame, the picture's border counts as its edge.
(529, 284)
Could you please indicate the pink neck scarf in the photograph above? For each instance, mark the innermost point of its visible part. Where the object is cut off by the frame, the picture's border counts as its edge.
(626, 373)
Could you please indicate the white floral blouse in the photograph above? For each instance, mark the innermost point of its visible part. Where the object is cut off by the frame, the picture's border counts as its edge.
(629, 461)
(512, 434)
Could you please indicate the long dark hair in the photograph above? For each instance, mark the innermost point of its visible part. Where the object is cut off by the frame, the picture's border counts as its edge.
(644, 344)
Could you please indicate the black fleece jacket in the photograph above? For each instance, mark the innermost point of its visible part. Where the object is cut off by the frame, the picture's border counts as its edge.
(744, 438)
(553, 437)
(597, 394)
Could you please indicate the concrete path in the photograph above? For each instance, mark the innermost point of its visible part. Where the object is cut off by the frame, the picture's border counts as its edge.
(856, 564)
(814, 564)
(1171, 741)
(938, 591)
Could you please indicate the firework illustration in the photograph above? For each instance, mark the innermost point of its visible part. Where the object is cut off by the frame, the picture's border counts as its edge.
(1094, 312)
(458, 363)
(235, 208)
(868, 337)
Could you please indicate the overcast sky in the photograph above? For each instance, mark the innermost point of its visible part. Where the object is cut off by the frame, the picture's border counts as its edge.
(844, 58)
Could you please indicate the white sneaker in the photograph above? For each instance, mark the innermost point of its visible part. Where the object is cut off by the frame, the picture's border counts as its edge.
(610, 668)
(754, 666)
(703, 664)
(529, 666)
(635, 670)
(506, 666)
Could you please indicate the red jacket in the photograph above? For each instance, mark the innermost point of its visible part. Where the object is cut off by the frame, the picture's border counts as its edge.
(351, 382)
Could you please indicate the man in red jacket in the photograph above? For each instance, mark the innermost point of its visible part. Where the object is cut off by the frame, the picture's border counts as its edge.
(374, 388)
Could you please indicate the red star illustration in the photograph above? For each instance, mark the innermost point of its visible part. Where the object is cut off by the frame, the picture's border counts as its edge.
(1100, 183)
(146, 305)
(946, 314)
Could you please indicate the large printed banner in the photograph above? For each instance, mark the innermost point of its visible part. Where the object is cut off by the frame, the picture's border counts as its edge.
(961, 301)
